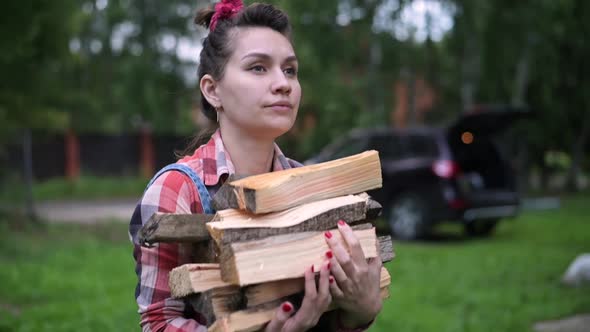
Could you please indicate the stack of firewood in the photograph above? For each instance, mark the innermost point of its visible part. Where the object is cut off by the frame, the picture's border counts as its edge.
(267, 230)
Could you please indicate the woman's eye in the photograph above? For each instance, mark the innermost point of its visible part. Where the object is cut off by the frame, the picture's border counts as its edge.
(257, 68)
(291, 71)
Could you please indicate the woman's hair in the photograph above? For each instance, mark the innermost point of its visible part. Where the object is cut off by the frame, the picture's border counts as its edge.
(218, 47)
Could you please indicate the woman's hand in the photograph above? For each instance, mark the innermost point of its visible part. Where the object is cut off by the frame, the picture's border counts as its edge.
(356, 290)
(315, 302)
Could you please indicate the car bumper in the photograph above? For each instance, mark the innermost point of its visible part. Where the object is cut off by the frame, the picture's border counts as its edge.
(490, 212)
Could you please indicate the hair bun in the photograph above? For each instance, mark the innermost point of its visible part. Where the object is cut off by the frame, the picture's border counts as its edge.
(204, 16)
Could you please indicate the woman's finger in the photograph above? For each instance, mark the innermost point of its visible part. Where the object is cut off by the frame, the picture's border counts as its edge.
(336, 292)
(306, 315)
(282, 314)
(375, 265)
(310, 285)
(324, 284)
(341, 254)
(338, 273)
(353, 243)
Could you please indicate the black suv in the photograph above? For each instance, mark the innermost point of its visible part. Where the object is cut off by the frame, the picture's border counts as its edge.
(454, 173)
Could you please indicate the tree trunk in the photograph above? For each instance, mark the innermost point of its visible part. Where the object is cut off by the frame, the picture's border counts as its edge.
(521, 79)
(147, 153)
(28, 175)
(544, 183)
(523, 167)
(470, 70)
(72, 147)
(577, 153)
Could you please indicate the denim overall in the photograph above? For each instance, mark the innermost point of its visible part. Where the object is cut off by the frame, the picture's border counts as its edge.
(203, 193)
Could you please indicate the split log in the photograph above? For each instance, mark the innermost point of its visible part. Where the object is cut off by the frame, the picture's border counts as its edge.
(250, 320)
(183, 228)
(236, 225)
(267, 292)
(254, 319)
(168, 227)
(194, 278)
(277, 191)
(259, 261)
(191, 279)
(217, 303)
(224, 198)
(386, 248)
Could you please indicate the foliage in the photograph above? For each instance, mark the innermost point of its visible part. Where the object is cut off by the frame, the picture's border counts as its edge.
(33, 41)
(117, 65)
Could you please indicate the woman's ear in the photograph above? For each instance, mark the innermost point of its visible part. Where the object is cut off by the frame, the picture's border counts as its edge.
(208, 87)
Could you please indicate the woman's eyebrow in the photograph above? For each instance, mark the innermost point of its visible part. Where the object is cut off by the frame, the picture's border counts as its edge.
(265, 56)
(291, 58)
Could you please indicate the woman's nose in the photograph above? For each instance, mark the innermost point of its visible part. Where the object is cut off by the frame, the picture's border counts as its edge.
(281, 83)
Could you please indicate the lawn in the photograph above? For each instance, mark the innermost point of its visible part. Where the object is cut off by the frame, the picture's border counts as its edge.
(80, 278)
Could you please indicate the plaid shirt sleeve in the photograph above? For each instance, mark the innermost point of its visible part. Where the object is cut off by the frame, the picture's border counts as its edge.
(172, 192)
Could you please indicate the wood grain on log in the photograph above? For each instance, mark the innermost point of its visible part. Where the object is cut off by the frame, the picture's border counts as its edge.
(277, 191)
(264, 260)
(236, 225)
(191, 279)
(271, 291)
(194, 278)
(255, 318)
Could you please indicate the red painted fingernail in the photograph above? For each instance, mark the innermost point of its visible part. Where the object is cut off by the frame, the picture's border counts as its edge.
(328, 234)
(341, 222)
(287, 307)
(331, 279)
(329, 254)
(329, 265)
(312, 269)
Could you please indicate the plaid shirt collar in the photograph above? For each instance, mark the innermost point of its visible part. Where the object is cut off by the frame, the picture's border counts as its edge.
(216, 162)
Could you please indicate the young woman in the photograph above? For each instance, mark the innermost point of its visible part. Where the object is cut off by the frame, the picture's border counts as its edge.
(249, 87)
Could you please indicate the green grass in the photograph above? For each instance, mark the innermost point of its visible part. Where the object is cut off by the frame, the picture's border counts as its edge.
(67, 278)
(81, 278)
(504, 283)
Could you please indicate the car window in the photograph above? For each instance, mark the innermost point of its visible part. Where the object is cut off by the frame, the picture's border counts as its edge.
(350, 147)
(344, 148)
(388, 146)
(420, 146)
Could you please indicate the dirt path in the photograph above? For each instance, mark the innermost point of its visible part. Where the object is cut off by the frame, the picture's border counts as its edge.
(87, 211)
(578, 323)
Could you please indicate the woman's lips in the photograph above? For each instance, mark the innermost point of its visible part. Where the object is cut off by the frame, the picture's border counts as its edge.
(280, 106)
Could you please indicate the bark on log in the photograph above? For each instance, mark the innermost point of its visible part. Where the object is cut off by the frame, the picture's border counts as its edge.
(168, 227)
(235, 225)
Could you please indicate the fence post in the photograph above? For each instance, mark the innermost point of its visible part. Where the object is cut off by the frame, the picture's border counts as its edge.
(28, 175)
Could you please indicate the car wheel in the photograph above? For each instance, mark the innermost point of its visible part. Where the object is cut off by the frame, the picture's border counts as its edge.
(408, 217)
(481, 228)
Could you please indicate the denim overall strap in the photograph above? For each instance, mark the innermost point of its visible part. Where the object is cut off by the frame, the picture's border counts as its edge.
(203, 193)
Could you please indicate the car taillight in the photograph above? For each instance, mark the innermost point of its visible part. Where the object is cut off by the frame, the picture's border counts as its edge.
(458, 204)
(446, 169)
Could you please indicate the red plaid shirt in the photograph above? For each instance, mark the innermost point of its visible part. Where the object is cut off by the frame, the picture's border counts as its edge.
(174, 192)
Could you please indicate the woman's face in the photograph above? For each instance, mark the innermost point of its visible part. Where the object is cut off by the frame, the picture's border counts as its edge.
(259, 90)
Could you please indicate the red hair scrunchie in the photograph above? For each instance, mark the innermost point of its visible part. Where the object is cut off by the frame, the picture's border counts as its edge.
(224, 10)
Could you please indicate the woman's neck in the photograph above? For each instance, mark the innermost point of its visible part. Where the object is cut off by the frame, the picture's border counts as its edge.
(250, 155)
